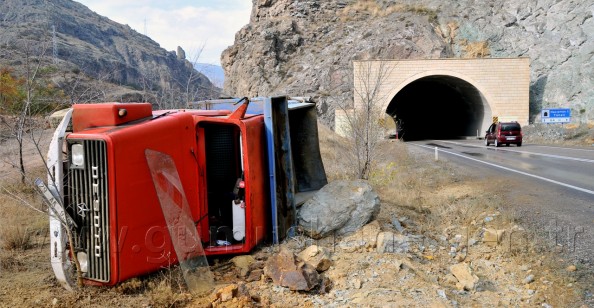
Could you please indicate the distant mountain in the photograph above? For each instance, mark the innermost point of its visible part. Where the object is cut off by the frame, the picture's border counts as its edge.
(96, 46)
(215, 73)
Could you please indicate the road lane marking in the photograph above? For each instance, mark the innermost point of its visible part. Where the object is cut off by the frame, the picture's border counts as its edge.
(524, 152)
(564, 148)
(512, 170)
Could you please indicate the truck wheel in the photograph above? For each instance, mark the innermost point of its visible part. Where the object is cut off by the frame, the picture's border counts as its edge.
(519, 144)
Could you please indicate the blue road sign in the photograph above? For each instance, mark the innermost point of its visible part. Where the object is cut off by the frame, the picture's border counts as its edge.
(558, 115)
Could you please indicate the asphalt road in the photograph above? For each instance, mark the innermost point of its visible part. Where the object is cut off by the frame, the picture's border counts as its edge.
(567, 167)
(551, 188)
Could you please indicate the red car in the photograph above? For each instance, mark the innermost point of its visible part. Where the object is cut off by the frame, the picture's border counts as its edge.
(504, 133)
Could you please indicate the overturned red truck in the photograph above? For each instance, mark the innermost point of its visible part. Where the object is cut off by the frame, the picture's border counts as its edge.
(244, 165)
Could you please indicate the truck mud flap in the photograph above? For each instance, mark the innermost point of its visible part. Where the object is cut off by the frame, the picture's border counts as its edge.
(295, 164)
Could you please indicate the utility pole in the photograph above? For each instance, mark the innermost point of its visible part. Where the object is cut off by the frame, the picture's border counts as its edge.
(54, 44)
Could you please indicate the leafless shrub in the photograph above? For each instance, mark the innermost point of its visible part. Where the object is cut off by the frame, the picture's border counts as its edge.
(15, 237)
(363, 121)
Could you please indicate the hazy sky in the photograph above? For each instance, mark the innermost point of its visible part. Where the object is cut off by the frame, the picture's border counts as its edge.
(191, 24)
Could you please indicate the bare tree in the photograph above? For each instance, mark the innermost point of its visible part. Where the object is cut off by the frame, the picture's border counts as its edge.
(194, 86)
(80, 88)
(364, 119)
(191, 91)
(33, 61)
(177, 92)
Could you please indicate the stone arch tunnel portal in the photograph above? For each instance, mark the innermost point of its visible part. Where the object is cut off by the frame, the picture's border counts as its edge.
(439, 107)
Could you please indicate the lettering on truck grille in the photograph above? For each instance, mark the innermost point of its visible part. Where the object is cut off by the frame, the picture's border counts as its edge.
(96, 211)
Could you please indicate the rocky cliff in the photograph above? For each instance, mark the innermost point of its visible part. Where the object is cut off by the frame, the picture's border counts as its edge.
(306, 47)
(85, 41)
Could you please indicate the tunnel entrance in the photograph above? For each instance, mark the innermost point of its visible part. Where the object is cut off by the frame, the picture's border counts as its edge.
(439, 107)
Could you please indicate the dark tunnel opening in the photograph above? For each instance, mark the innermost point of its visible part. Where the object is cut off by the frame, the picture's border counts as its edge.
(439, 107)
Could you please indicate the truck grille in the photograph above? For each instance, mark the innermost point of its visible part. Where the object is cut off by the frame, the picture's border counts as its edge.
(89, 205)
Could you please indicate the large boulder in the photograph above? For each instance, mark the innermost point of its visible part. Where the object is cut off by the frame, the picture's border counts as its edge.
(341, 207)
(56, 118)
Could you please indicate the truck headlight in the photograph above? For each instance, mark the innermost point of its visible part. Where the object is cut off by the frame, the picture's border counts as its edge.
(77, 154)
(83, 261)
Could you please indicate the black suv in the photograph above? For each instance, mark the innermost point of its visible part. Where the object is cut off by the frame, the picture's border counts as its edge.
(504, 133)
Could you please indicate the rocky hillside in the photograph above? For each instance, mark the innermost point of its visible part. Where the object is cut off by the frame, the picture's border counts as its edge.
(89, 43)
(306, 47)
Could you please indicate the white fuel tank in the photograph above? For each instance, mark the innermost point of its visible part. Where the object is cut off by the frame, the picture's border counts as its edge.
(238, 220)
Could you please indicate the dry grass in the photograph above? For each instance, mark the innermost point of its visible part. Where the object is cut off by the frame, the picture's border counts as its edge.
(337, 155)
(375, 8)
(410, 182)
(10, 262)
(166, 288)
(19, 224)
(14, 236)
(132, 286)
(15, 188)
(474, 50)
(162, 294)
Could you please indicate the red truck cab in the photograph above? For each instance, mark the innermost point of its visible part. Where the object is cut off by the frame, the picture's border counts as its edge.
(232, 171)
